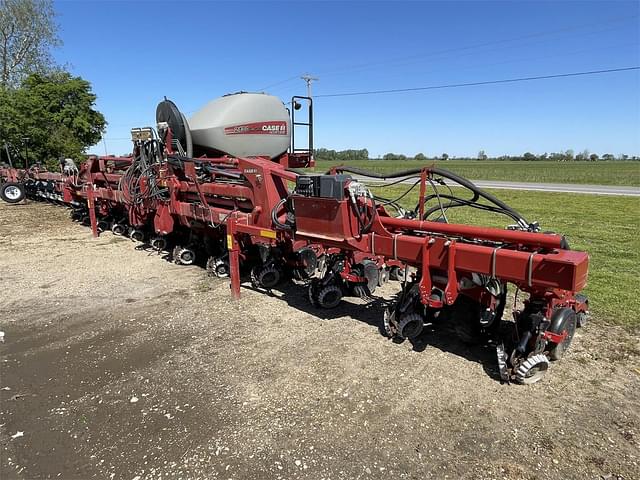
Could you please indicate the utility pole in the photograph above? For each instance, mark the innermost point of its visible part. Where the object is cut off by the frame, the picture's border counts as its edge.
(25, 141)
(309, 79)
(6, 149)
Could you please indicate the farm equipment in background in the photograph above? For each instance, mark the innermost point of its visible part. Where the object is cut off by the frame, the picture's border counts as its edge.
(220, 190)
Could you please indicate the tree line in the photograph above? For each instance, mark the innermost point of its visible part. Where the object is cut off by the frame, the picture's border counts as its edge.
(45, 112)
(566, 156)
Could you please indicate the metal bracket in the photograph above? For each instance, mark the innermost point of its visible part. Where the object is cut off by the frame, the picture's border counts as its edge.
(451, 290)
(425, 281)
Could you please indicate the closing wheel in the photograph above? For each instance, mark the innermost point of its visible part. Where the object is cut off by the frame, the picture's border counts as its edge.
(265, 277)
(118, 228)
(102, 225)
(136, 234)
(532, 369)
(183, 255)
(388, 328)
(12, 192)
(312, 294)
(582, 319)
(76, 214)
(330, 296)
(411, 325)
(565, 323)
(218, 267)
(158, 243)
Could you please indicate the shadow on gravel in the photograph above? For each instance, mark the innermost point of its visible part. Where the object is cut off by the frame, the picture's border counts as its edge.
(441, 335)
(54, 371)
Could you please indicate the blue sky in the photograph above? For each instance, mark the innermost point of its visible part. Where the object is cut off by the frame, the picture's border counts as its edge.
(134, 53)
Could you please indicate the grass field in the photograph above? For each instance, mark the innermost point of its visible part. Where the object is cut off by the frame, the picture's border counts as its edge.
(606, 227)
(595, 173)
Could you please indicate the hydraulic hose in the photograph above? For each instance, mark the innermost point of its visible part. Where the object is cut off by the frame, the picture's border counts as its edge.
(274, 215)
(443, 173)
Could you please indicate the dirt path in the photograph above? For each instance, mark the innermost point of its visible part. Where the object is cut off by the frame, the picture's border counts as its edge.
(122, 365)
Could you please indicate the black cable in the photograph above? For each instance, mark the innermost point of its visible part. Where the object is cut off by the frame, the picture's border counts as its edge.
(395, 200)
(384, 185)
(143, 166)
(473, 84)
(460, 202)
(444, 215)
(478, 192)
(374, 212)
(274, 215)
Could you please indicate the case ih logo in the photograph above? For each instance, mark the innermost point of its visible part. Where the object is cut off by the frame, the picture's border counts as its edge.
(258, 128)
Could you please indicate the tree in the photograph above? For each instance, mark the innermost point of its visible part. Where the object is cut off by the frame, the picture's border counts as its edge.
(594, 157)
(583, 156)
(27, 33)
(568, 155)
(394, 156)
(55, 112)
(529, 156)
(420, 156)
(608, 157)
(482, 155)
(445, 156)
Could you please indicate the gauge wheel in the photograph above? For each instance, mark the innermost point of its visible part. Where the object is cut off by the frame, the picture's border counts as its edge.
(567, 324)
(532, 369)
(330, 296)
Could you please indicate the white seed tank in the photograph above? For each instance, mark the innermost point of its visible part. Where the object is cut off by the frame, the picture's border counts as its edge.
(242, 125)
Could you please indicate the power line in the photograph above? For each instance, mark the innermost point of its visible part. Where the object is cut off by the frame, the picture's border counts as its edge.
(286, 80)
(379, 63)
(415, 57)
(472, 84)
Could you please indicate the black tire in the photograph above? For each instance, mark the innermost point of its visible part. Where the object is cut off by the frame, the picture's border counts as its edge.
(531, 370)
(183, 255)
(265, 277)
(137, 235)
(410, 326)
(330, 296)
(12, 192)
(102, 225)
(566, 320)
(118, 228)
(159, 243)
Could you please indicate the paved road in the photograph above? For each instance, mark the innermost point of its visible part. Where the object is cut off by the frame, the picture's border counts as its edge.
(542, 187)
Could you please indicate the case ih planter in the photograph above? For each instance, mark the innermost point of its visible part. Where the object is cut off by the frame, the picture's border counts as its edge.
(224, 195)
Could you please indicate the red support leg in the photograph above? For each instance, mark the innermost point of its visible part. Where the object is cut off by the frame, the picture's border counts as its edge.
(234, 258)
(425, 280)
(92, 211)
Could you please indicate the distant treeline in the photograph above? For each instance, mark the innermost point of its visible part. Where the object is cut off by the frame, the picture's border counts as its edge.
(566, 156)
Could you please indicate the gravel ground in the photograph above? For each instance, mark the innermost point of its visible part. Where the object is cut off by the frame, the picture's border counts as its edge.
(118, 364)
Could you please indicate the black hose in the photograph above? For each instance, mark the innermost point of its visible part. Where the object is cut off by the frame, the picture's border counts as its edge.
(274, 215)
(443, 173)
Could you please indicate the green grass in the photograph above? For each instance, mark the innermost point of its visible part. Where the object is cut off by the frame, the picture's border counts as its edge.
(608, 228)
(596, 173)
